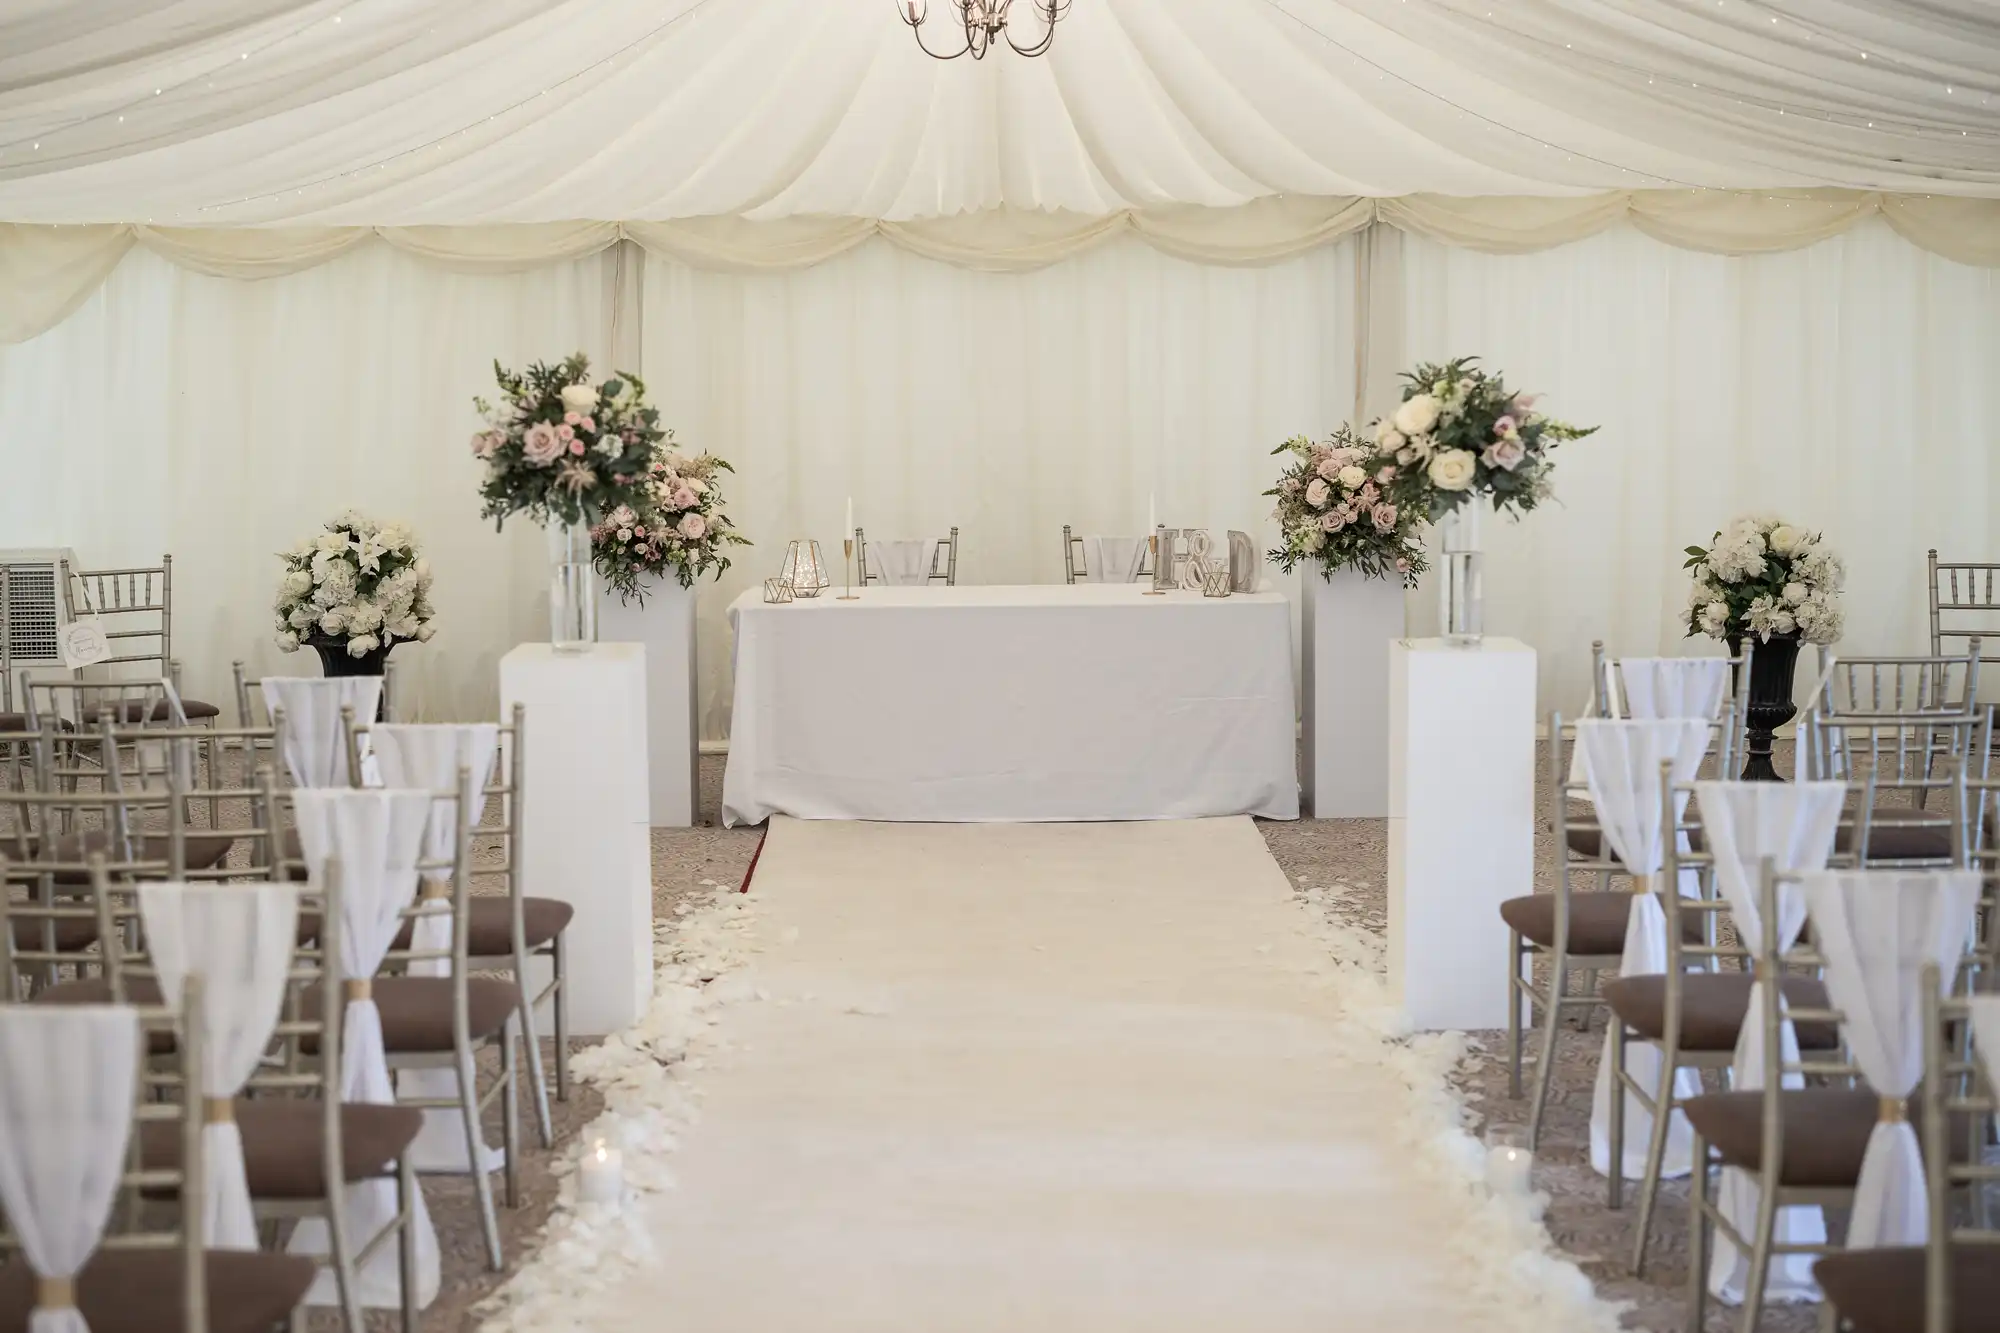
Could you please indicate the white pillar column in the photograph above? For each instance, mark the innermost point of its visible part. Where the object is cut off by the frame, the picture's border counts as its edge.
(1461, 824)
(584, 835)
(665, 625)
(1347, 624)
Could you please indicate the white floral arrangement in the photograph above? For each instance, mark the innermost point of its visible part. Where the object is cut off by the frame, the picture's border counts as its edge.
(1765, 577)
(359, 584)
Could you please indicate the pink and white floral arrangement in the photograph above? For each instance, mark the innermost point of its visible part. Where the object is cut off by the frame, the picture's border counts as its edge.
(563, 447)
(1336, 505)
(676, 526)
(1460, 433)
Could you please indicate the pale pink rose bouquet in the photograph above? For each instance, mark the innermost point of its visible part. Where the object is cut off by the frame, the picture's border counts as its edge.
(675, 525)
(1336, 505)
(562, 446)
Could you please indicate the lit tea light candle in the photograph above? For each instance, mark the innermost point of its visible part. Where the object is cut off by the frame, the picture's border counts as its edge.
(601, 1175)
(1509, 1161)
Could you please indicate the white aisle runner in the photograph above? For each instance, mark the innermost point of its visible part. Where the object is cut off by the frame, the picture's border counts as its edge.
(1060, 1077)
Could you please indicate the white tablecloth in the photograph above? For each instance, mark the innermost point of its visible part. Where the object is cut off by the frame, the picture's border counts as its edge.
(1057, 702)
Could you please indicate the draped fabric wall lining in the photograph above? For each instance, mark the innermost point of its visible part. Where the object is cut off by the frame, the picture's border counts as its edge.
(47, 271)
(1847, 384)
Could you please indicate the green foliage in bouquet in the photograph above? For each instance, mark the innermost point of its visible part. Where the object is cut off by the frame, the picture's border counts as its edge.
(560, 447)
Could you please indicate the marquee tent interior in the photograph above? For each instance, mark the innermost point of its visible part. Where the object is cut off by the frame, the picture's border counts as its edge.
(256, 258)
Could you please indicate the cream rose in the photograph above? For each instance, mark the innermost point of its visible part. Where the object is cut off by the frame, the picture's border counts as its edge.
(1452, 470)
(579, 397)
(1351, 477)
(1417, 414)
(1785, 538)
(1795, 593)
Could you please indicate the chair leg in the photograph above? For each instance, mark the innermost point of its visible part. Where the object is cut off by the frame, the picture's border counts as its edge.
(543, 1125)
(406, 1242)
(1656, 1152)
(1589, 987)
(340, 1257)
(1698, 1239)
(1760, 1252)
(1514, 1013)
(559, 969)
(1551, 1022)
(510, 1115)
(1615, 1182)
(482, 1184)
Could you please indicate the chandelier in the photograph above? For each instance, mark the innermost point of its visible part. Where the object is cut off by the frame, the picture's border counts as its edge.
(985, 23)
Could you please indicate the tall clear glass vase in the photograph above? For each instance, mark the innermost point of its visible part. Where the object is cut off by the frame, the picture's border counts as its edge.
(572, 588)
(1462, 576)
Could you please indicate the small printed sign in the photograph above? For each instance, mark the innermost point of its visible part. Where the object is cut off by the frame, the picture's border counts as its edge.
(83, 643)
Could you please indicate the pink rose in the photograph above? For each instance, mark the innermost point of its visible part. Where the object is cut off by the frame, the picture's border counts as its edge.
(540, 445)
(1523, 401)
(588, 422)
(1329, 467)
(1332, 521)
(1505, 454)
(1402, 565)
(565, 432)
(576, 446)
(691, 526)
(1385, 518)
(684, 497)
(1386, 475)
(485, 442)
(1316, 492)
(641, 529)
(1504, 427)
(572, 418)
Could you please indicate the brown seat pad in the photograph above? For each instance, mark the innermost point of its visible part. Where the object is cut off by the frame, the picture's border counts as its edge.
(1882, 1291)
(1825, 1131)
(73, 933)
(1900, 833)
(1588, 842)
(1596, 920)
(204, 851)
(416, 1011)
(283, 1151)
(97, 990)
(140, 1291)
(131, 711)
(1712, 1008)
(491, 928)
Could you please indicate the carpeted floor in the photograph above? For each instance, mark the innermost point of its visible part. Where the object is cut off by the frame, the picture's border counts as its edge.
(1348, 857)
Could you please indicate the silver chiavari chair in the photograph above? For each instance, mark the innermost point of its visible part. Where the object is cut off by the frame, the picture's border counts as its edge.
(1607, 696)
(1076, 568)
(944, 560)
(1964, 603)
(137, 608)
(1951, 1282)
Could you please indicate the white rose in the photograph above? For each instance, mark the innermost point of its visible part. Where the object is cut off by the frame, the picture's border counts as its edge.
(1795, 593)
(1391, 439)
(1417, 414)
(1785, 538)
(424, 633)
(362, 646)
(298, 581)
(1351, 477)
(288, 642)
(333, 622)
(1453, 469)
(579, 398)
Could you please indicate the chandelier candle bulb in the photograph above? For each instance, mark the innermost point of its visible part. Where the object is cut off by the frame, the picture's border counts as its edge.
(601, 1175)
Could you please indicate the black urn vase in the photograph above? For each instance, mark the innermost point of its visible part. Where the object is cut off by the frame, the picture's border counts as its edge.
(335, 660)
(1771, 670)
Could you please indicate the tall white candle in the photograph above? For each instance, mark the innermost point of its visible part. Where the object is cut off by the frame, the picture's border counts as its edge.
(847, 534)
(1152, 515)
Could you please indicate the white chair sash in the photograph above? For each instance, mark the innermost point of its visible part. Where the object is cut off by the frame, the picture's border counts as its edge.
(238, 938)
(1876, 930)
(1657, 687)
(376, 835)
(903, 562)
(68, 1079)
(314, 751)
(1621, 762)
(1113, 559)
(1794, 825)
(430, 756)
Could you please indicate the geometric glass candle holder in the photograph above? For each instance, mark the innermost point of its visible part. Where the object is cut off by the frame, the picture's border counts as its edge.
(804, 569)
(1218, 583)
(777, 591)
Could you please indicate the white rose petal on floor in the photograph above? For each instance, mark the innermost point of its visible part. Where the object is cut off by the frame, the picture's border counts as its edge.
(1049, 1076)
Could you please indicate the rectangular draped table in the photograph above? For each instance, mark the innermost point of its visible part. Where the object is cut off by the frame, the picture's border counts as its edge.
(975, 704)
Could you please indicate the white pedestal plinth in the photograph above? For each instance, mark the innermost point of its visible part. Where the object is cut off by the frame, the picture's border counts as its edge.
(665, 624)
(1461, 823)
(584, 835)
(1348, 624)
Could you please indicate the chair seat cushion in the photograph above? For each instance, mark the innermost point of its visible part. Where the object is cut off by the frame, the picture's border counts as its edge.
(13, 721)
(491, 929)
(1596, 921)
(1901, 833)
(204, 851)
(141, 1291)
(97, 990)
(284, 1154)
(1713, 1005)
(1882, 1291)
(1825, 1131)
(1588, 842)
(416, 1012)
(132, 710)
(73, 933)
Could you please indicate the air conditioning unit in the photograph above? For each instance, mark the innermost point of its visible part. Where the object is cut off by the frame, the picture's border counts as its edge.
(35, 615)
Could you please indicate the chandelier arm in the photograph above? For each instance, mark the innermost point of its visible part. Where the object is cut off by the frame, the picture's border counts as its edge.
(917, 29)
(1052, 12)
